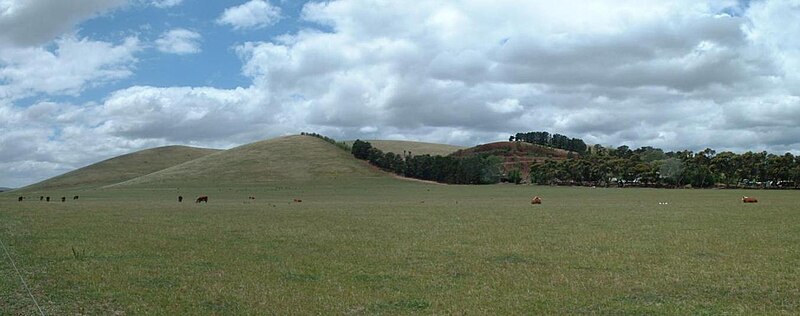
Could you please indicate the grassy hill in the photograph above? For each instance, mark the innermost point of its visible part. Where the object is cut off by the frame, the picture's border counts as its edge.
(121, 168)
(290, 159)
(416, 148)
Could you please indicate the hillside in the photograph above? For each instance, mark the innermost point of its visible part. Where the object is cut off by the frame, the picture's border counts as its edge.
(290, 159)
(122, 168)
(416, 148)
(516, 154)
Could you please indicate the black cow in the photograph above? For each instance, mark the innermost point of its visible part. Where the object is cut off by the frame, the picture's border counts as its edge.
(20, 199)
(75, 197)
(202, 198)
(63, 199)
(48, 199)
(180, 198)
(41, 198)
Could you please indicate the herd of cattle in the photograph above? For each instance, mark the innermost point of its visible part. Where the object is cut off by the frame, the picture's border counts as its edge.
(204, 198)
(47, 198)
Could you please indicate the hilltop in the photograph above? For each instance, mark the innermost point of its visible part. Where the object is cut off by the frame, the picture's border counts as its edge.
(416, 148)
(289, 159)
(516, 155)
(122, 168)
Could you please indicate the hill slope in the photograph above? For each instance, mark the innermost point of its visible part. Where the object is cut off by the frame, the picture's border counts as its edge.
(516, 155)
(122, 168)
(416, 148)
(290, 159)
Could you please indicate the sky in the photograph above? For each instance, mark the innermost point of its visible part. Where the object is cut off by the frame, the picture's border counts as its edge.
(86, 80)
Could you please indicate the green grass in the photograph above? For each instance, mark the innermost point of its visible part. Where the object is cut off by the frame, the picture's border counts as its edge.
(378, 246)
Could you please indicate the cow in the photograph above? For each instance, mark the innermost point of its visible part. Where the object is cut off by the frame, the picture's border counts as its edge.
(20, 199)
(48, 199)
(75, 197)
(202, 198)
(536, 200)
(180, 198)
(746, 199)
(251, 197)
(297, 200)
(63, 199)
(41, 198)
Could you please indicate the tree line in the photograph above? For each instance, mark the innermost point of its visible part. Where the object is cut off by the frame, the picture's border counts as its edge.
(478, 169)
(652, 167)
(555, 140)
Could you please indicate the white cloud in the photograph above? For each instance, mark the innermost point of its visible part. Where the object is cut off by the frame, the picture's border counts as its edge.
(676, 74)
(71, 66)
(254, 14)
(179, 41)
(166, 3)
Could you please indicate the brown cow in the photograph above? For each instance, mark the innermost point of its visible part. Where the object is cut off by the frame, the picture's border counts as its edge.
(746, 199)
(298, 200)
(202, 198)
(536, 200)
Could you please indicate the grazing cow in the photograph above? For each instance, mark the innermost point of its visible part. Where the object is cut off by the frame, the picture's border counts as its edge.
(48, 199)
(536, 200)
(746, 199)
(75, 197)
(63, 199)
(202, 198)
(298, 200)
(20, 199)
(251, 197)
(41, 198)
(180, 198)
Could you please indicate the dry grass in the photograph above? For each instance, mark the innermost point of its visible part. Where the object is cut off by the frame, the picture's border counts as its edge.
(122, 168)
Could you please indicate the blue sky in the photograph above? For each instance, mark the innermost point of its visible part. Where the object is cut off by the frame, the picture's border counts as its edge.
(86, 80)
(216, 64)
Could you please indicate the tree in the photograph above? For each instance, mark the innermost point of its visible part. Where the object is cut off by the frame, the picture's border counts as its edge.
(361, 149)
(515, 176)
(725, 166)
(672, 170)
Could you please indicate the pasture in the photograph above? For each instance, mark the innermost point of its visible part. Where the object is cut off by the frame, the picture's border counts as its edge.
(381, 246)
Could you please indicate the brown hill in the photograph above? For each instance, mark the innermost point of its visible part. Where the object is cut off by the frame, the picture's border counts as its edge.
(516, 155)
(121, 168)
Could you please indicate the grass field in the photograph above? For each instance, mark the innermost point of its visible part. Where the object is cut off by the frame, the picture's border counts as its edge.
(380, 246)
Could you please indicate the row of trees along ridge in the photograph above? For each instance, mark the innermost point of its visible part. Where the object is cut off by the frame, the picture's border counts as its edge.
(445, 169)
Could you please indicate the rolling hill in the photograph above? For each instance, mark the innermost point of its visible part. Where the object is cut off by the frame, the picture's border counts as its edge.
(121, 168)
(416, 148)
(289, 159)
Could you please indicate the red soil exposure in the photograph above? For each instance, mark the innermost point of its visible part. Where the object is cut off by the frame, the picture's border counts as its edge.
(516, 155)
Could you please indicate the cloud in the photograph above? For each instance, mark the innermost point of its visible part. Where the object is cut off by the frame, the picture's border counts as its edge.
(676, 74)
(166, 3)
(254, 14)
(179, 41)
(35, 22)
(67, 69)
